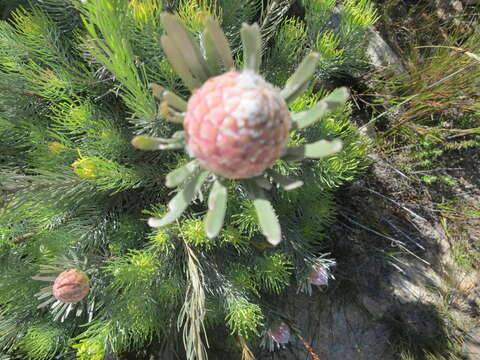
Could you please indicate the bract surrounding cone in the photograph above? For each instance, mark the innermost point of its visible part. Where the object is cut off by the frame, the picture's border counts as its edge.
(71, 286)
(237, 124)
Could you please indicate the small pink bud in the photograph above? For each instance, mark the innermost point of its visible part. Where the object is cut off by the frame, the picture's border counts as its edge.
(280, 333)
(71, 286)
(237, 124)
(319, 276)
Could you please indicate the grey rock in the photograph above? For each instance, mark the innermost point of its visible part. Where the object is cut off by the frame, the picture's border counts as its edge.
(376, 306)
(336, 331)
(381, 55)
(346, 332)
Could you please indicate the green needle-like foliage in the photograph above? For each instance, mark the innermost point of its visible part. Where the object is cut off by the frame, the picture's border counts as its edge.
(78, 83)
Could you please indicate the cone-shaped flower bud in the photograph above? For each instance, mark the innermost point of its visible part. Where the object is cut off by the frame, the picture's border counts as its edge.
(280, 333)
(319, 276)
(71, 286)
(237, 124)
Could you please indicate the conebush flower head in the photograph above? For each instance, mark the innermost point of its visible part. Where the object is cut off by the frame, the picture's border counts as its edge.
(280, 333)
(235, 125)
(71, 286)
(68, 290)
(319, 275)
(277, 336)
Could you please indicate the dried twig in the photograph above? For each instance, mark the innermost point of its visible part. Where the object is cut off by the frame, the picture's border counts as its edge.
(246, 352)
(22, 238)
(404, 234)
(393, 168)
(434, 170)
(396, 203)
(399, 243)
(193, 311)
(309, 349)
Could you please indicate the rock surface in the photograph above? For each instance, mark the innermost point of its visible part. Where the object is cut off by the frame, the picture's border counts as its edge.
(391, 285)
(381, 55)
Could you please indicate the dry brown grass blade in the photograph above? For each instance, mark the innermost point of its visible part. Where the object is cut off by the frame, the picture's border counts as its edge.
(24, 237)
(193, 312)
(406, 119)
(436, 103)
(457, 49)
(246, 352)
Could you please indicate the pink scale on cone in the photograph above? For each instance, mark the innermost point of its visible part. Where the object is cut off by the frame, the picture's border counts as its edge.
(231, 119)
(71, 286)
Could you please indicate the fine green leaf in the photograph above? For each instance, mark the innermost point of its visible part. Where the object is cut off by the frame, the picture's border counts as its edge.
(178, 176)
(46, 302)
(43, 295)
(107, 20)
(60, 310)
(217, 205)
(43, 278)
(252, 46)
(324, 106)
(300, 79)
(180, 202)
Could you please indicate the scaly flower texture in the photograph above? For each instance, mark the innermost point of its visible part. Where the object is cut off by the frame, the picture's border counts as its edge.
(71, 286)
(68, 290)
(237, 124)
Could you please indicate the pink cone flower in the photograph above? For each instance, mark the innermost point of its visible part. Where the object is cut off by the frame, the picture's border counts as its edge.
(280, 333)
(71, 286)
(237, 124)
(319, 276)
